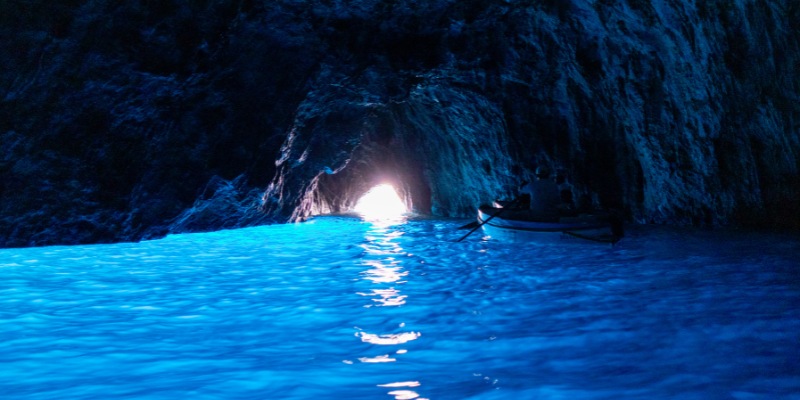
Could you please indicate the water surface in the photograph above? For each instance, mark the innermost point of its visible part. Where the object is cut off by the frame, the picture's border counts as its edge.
(342, 308)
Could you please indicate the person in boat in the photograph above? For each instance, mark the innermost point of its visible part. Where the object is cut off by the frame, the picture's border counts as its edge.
(542, 195)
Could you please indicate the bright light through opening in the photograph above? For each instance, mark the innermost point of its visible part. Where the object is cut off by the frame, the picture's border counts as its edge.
(380, 203)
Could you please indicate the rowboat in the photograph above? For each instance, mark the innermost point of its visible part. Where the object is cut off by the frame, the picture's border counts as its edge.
(524, 225)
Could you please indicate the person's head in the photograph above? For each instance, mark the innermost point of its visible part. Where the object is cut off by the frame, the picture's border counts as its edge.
(542, 172)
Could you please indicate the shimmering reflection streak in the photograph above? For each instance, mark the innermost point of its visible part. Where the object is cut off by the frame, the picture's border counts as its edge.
(403, 394)
(387, 271)
(384, 268)
(391, 339)
(386, 297)
(382, 255)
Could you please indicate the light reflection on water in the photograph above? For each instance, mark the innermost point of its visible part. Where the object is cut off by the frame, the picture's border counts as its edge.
(384, 269)
(339, 308)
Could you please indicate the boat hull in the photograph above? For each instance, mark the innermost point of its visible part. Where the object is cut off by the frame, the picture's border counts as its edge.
(518, 225)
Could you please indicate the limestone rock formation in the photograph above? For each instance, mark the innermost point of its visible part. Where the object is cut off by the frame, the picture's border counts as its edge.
(128, 120)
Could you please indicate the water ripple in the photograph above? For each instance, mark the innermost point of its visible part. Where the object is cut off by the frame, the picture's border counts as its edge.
(340, 308)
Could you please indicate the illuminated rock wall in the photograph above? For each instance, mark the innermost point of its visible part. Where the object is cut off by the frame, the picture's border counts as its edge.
(676, 113)
(443, 148)
(127, 120)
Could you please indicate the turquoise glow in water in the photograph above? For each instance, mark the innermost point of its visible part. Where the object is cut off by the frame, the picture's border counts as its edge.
(340, 308)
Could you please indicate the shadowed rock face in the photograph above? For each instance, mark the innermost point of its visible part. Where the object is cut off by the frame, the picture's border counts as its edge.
(121, 122)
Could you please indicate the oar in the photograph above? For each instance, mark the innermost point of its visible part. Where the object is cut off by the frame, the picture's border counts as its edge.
(489, 219)
(613, 240)
(469, 225)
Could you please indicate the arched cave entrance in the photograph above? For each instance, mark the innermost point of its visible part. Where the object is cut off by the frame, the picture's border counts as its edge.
(371, 164)
(444, 150)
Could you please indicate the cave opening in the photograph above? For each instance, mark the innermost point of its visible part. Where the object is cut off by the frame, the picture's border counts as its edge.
(368, 190)
(382, 177)
(374, 187)
(379, 203)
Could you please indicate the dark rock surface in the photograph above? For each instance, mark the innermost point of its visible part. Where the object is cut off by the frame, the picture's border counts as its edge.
(130, 120)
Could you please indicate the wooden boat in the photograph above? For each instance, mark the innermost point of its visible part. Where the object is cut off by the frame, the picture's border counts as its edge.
(522, 224)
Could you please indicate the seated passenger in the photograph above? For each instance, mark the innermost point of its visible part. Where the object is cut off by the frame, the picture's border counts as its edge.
(544, 195)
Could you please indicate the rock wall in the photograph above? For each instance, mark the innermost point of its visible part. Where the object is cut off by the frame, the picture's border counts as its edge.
(127, 121)
(443, 148)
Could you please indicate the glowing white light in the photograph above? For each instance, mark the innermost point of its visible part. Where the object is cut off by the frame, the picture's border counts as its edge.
(391, 339)
(404, 394)
(379, 359)
(380, 203)
(401, 384)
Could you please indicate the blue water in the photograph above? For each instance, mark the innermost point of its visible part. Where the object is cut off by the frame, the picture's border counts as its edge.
(338, 308)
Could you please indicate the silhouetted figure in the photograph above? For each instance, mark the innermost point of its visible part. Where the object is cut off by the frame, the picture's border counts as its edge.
(544, 195)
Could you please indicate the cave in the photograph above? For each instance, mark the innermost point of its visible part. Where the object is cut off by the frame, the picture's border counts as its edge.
(338, 155)
(132, 121)
(184, 186)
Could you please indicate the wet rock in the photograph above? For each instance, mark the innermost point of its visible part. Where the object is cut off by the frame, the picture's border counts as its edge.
(126, 121)
(222, 205)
